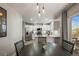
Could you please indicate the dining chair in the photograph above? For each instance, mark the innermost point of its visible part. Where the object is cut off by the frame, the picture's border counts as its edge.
(42, 42)
(19, 46)
(68, 46)
(76, 48)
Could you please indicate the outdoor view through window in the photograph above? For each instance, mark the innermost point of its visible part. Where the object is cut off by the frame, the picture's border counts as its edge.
(75, 27)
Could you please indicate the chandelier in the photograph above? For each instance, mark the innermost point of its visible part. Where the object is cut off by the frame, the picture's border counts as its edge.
(39, 9)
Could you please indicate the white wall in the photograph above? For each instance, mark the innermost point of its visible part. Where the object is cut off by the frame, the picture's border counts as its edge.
(14, 31)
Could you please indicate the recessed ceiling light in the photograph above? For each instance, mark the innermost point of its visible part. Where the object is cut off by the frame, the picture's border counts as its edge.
(31, 19)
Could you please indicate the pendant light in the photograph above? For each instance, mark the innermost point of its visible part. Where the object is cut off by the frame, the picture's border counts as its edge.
(40, 9)
(43, 9)
(39, 14)
(37, 6)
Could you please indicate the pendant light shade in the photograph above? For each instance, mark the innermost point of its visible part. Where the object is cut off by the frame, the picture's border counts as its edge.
(39, 13)
(43, 9)
(37, 7)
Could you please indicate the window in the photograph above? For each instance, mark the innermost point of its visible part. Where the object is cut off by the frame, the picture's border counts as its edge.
(75, 27)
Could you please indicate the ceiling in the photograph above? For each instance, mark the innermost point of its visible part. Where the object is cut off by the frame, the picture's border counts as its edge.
(29, 11)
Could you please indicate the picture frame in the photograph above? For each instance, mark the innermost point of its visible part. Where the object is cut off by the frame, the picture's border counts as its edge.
(3, 22)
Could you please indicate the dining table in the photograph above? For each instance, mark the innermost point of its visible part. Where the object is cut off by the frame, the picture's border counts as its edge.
(49, 49)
